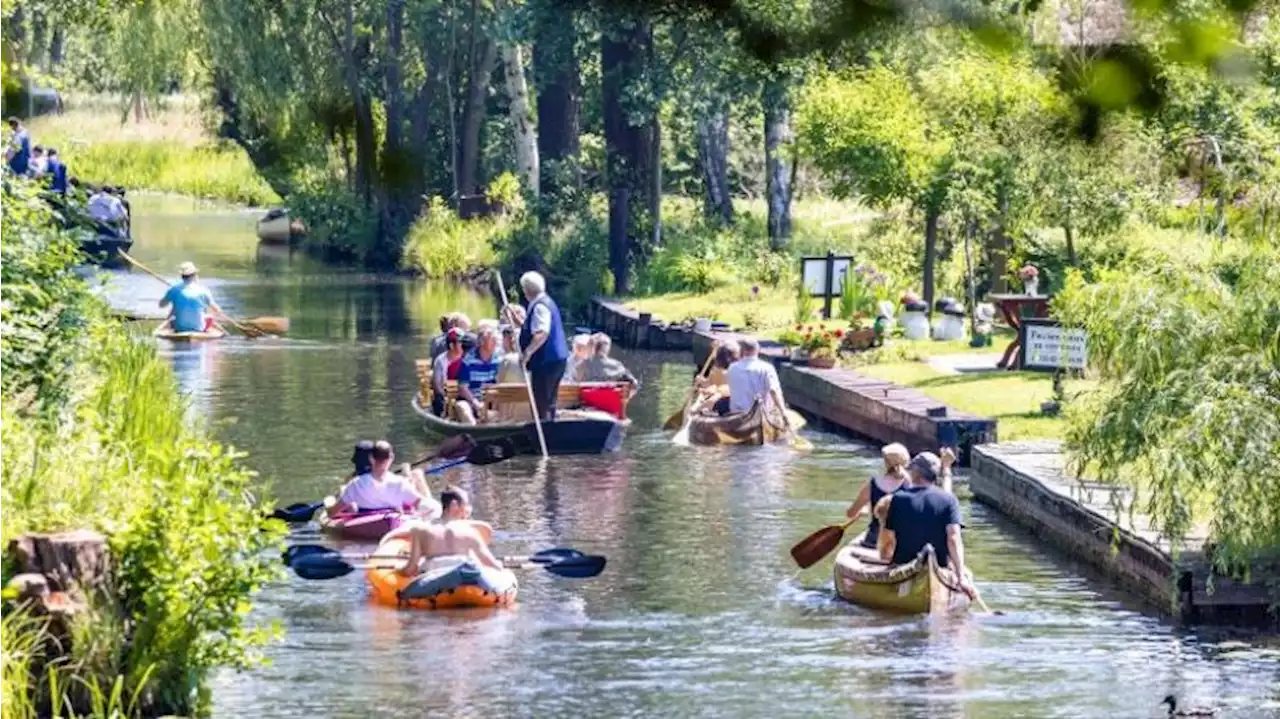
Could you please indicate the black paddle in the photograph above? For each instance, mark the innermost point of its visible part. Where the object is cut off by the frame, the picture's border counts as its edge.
(480, 454)
(316, 562)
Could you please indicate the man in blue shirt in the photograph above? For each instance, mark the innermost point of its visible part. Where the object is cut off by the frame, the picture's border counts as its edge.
(57, 172)
(479, 368)
(921, 514)
(544, 350)
(188, 301)
(19, 153)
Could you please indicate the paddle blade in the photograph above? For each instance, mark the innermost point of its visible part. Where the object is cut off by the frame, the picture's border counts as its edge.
(321, 567)
(299, 551)
(582, 567)
(268, 325)
(557, 554)
(814, 547)
(674, 421)
(296, 513)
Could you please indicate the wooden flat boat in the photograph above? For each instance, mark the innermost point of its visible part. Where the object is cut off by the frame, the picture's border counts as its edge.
(577, 429)
(757, 426)
(918, 587)
(104, 248)
(278, 228)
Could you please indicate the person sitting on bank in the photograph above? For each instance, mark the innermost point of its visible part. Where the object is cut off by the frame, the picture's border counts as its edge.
(445, 367)
(752, 379)
(455, 534)
(18, 154)
(380, 488)
(715, 386)
(921, 514)
(479, 368)
(600, 367)
(510, 371)
(39, 164)
(894, 478)
(57, 171)
(544, 351)
(188, 301)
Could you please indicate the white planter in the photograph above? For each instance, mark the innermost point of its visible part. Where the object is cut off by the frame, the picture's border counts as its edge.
(1032, 286)
(915, 325)
(702, 324)
(949, 327)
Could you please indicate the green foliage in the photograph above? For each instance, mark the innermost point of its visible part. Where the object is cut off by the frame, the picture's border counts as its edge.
(1189, 408)
(440, 245)
(114, 449)
(339, 223)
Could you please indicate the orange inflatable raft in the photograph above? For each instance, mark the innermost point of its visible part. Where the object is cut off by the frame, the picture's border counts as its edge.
(456, 582)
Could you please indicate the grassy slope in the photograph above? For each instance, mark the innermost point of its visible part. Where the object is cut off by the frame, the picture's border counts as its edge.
(171, 151)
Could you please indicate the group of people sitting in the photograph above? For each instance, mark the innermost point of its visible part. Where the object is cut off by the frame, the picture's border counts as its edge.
(438, 528)
(109, 210)
(911, 506)
(738, 379)
(491, 355)
(36, 162)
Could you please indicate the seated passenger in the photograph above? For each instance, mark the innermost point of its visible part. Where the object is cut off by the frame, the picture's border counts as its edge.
(715, 386)
(453, 535)
(510, 371)
(600, 367)
(479, 368)
(379, 488)
(752, 379)
(580, 352)
(894, 478)
(445, 367)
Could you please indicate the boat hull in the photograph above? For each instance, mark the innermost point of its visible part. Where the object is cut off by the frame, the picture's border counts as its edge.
(447, 583)
(174, 336)
(591, 433)
(753, 427)
(361, 526)
(918, 587)
(105, 249)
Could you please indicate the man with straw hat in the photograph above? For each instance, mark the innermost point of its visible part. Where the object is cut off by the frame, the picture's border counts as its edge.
(188, 301)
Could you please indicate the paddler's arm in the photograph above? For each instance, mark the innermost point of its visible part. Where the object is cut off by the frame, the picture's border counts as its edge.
(861, 503)
(482, 552)
(955, 548)
(888, 540)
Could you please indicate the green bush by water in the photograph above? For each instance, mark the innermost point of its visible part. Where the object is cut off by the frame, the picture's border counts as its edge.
(95, 435)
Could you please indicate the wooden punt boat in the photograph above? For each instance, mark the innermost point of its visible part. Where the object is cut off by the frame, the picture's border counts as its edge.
(756, 426)
(278, 228)
(572, 432)
(918, 587)
(164, 333)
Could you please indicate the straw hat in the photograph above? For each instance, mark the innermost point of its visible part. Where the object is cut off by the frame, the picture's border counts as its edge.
(186, 269)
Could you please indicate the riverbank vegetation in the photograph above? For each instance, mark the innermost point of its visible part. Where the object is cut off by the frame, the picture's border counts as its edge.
(96, 436)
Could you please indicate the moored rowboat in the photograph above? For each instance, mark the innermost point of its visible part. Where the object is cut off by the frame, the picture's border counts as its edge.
(918, 587)
(447, 583)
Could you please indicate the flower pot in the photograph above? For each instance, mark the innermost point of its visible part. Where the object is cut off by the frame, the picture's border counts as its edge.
(799, 358)
(1031, 286)
(822, 362)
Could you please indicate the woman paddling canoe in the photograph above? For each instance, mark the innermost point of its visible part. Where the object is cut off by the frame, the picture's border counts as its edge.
(893, 479)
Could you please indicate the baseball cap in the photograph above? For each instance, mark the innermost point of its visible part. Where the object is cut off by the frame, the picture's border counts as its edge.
(927, 464)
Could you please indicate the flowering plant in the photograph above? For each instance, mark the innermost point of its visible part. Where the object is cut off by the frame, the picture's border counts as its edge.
(817, 340)
(1028, 272)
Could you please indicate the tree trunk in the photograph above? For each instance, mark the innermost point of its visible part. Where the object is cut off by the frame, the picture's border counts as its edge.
(482, 55)
(999, 259)
(57, 45)
(713, 159)
(1071, 244)
(559, 86)
(655, 182)
(526, 134)
(930, 254)
(257, 144)
(777, 133)
(400, 163)
(628, 146)
(39, 39)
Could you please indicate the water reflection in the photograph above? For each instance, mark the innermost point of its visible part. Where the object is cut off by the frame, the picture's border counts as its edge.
(700, 611)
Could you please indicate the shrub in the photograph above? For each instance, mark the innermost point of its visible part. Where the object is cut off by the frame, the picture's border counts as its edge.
(441, 245)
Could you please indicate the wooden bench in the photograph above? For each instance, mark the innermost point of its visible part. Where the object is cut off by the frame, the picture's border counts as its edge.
(510, 402)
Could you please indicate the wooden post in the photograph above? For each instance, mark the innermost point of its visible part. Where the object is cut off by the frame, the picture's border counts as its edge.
(831, 272)
(642, 330)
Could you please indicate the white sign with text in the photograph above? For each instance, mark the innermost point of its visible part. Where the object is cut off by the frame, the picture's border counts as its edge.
(1053, 346)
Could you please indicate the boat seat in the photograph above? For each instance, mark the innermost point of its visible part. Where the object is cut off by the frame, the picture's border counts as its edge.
(510, 402)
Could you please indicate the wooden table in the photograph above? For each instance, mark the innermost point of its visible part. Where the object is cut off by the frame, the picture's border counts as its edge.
(1011, 307)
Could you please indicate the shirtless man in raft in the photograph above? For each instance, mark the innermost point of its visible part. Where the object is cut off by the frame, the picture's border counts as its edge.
(455, 534)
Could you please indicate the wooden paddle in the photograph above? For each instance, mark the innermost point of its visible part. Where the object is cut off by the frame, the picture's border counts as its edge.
(533, 405)
(796, 440)
(676, 421)
(810, 550)
(253, 327)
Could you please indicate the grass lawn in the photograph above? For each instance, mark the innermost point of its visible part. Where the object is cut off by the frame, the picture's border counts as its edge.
(1013, 398)
(170, 151)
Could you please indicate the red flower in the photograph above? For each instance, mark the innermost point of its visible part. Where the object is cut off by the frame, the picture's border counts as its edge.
(839, 333)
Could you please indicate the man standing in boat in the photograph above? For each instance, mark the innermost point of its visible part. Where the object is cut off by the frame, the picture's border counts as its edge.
(921, 514)
(544, 351)
(188, 301)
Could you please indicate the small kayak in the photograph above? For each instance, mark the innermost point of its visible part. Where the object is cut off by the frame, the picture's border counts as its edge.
(454, 582)
(367, 526)
(174, 336)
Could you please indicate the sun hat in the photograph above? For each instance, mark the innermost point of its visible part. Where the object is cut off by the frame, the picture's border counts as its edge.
(186, 269)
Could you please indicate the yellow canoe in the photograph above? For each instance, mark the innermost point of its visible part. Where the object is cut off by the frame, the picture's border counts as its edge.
(918, 587)
(172, 336)
(756, 426)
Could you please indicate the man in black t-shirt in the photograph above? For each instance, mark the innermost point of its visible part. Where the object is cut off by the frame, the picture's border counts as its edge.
(924, 514)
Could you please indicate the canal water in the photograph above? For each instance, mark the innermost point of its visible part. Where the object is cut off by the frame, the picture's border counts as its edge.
(700, 612)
